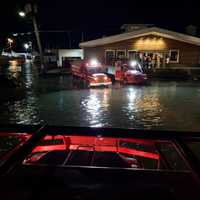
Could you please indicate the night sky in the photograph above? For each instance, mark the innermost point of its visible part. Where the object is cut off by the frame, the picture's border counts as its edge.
(95, 18)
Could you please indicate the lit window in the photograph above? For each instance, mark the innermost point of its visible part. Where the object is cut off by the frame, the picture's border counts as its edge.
(133, 55)
(110, 57)
(120, 54)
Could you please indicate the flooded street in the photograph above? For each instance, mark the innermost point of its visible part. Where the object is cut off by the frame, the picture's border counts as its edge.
(56, 100)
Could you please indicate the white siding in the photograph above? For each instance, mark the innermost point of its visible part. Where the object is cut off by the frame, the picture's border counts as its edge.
(69, 53)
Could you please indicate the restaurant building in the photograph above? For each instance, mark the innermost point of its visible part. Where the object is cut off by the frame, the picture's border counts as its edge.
(159, 47)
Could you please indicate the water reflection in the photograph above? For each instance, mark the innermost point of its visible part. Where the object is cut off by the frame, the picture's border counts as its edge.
(25, 110)
(132, 96)
(14, 68)
(55, 101)
(142, 107)
(133, 106)
(28, 76)
(152, 110)
(96, 106)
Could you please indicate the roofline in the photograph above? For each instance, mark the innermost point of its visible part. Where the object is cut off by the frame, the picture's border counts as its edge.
(143, 32)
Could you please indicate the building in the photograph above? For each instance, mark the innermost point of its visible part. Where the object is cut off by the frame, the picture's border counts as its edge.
(69, 54)
(62, 57)
(160, 47)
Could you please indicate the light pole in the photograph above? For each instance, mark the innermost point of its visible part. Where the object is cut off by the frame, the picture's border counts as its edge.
(10, 42)
(38, 41)
(31, 10)
(26, 46)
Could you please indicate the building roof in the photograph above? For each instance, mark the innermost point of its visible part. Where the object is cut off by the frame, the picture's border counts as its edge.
(143, 32)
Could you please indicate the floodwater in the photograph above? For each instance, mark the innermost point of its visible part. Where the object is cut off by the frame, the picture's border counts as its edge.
(57, 100)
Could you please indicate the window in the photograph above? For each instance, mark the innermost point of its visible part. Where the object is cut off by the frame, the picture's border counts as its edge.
(120, 54)
(174, 56)
(133, 55)
(110, 57)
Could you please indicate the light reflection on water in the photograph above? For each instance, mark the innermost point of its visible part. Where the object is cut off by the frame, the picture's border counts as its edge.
(142, 107)
(24, 112)
(54, 100)
(95, 106)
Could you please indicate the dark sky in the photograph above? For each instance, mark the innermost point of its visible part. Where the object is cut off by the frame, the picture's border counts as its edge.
(98, 17)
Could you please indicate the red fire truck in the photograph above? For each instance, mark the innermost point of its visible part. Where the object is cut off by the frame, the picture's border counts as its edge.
(130, 73)
(92, 72)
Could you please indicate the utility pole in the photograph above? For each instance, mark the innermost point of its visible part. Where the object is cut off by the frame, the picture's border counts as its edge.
(38, 41)
(82, 36)
(31, 10)
(69, 37)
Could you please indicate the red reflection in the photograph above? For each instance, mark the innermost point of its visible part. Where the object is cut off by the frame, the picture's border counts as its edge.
(99, 144)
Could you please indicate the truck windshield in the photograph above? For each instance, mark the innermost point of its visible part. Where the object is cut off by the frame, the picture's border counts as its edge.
(94, 70)
(137, 67)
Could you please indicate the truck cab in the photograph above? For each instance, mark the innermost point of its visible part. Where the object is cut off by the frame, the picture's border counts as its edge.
(130, 73)
(92, 72)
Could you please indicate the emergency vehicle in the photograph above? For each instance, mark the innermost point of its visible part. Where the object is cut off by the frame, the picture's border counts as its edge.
(92, 72)
(130, 73)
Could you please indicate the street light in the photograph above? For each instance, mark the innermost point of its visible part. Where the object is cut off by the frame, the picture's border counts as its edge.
(22, 14)
(31, 10)
(26, 46)
(10, 41)
(15, 34)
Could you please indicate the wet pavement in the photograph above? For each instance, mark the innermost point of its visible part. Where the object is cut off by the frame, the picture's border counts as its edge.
(58, 100)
